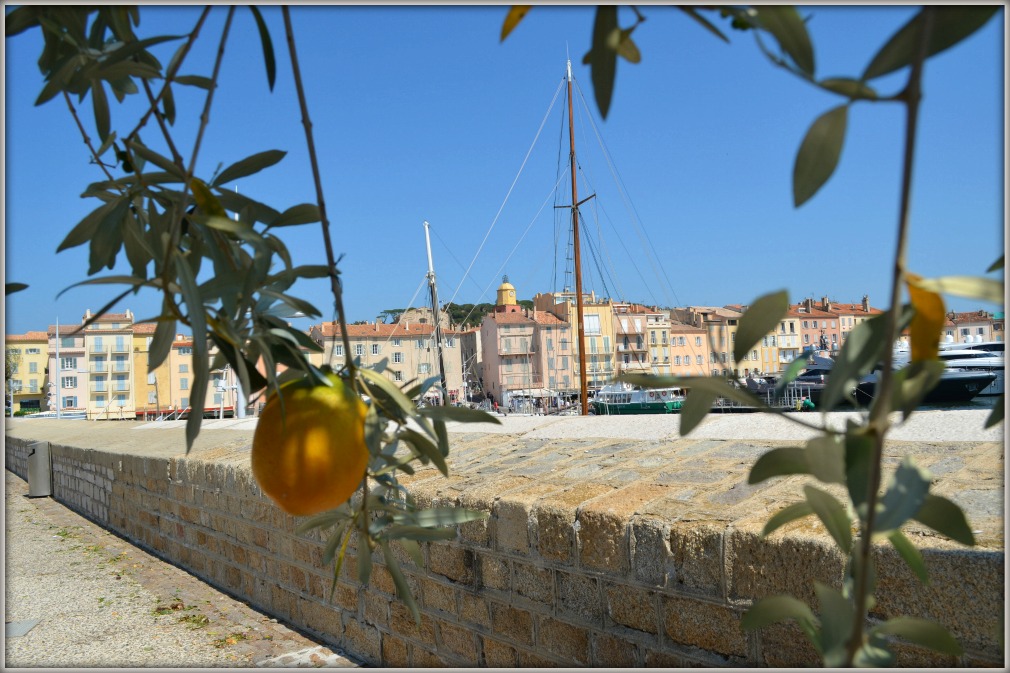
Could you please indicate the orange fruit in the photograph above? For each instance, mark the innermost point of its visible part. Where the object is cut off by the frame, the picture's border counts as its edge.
(312, 457)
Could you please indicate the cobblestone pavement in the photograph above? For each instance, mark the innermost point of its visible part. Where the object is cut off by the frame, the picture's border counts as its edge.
(99, 601)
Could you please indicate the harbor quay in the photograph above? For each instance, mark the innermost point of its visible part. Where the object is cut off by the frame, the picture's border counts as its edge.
(610, 541)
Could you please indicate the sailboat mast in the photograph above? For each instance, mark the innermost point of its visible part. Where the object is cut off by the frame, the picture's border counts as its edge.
(434, 310)
(583, 388)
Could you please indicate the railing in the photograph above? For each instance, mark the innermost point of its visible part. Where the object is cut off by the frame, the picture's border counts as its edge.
(122, 348)
(99, 367)
(121, 367)
(99, 387)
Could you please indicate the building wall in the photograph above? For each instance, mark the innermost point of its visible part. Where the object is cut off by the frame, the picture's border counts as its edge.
(69, 374)
(29, 382)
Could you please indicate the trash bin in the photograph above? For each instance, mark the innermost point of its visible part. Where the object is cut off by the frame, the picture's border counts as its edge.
(40, 474)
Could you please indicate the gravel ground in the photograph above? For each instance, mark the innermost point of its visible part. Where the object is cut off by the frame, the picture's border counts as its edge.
(102, 602)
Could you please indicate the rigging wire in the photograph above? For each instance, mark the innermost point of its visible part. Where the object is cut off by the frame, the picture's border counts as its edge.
(509, 193)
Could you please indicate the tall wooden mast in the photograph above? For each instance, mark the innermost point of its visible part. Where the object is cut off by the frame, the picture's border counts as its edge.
(583, 388)
(437, 317)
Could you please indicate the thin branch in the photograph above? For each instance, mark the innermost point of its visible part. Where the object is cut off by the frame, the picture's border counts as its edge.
(176, 157)
(878, 423)
(87, 138)
(324, 220)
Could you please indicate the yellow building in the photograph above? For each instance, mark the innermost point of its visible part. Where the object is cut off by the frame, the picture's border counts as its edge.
(28, 385)
(598, 326)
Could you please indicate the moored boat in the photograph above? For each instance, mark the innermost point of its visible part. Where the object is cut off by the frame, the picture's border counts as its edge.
(623, 398)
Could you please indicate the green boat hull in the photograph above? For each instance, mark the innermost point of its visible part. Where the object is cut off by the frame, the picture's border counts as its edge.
(661, 407)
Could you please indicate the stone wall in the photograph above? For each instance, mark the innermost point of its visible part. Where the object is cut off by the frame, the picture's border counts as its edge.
(571, 574)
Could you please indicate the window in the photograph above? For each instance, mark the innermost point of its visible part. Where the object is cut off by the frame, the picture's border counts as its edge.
(564, 344)
(185, 350)
(832, 324)
(550, 344)
(121, 400)
(425, 368)
(698, 361)
(70, 401)
(152, 397)
(152, 378)
(120, 383)
(815, 324)
(806, 338)
(806, 324)
(420, 344)
(100, 385)
(676, 360)
(697, 341)
(184, 384)
(218, 398)
(754, 355)
(652, 337)
(67, 342)
(450, 342)
(359, 349)
(397, 357)
(33, 385)
(981, 330)
(184, 402)
(338, 349)
(33, 351)
(396, 343)
(33, 367)
(184, 368)
(68, 363)
(773, 341)
(397, 376)
(964, 331)
(69, 382)
(722, 356)
(664, 338)
(100, 401)
(711, 357)
(591, 324)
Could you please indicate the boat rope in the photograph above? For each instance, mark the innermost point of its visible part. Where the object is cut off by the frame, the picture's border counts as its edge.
(511, 187)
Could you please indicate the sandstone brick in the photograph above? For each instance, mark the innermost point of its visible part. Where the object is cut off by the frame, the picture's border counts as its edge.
(363, 640)
(555, 517)
(322, 619)
(376, 607)
(912, 656)
(512, 516)
(609, 651)
(474, 610)
(570, 643)
(438, 596)
(498, 654)
(512, 623)
(423, 658)
(651, 558)
(402, 623)
(452, 561)
(529, 659)
(495, 572)
(784, 645)
(461, 642)
(579, 597)
(536, 584)
(394, 652)
(382, 580)
(660, 659)
(632, 607)
(698, 623)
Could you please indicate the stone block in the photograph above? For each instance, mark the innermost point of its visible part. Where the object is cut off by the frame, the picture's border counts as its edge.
(697, 557)
(555, 520)
(512, 623)
(632, 607)
(402, 623)
(533, 583)
(651, 558)
(784, 645)
(579, 598)
(498, 654)
(376, 607)
(452, 561)
(699, 623)
(424, 658)
(512, 517)
(322, 619)
(474, 610)
(603, 541)
(495, 572)
(780, 564)
(437, 596)
(394, 652)
(660, 659)
(609, 651)
(568, 642)
(458, 641)
(362, 639)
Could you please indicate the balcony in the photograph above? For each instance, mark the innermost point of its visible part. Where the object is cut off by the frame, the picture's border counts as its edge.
(99, 387)
(97, 348)
(99, 368)
(120, 367)
(122, 348)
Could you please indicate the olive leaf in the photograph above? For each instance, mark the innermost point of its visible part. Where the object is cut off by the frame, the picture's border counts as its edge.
(819, 153)
(512, 19)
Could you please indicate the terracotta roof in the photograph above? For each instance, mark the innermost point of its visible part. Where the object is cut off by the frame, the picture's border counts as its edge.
(144, 327)
(684, 328)
(510, 318)
(548, 318)
(110, 317)
(815, 312)
(27, 336)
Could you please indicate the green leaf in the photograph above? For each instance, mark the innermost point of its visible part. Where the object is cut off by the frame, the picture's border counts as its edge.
(419, 533)
(268, 46)
(57, 81)
(693, 13)
(392, 392)
(913, 382)
(601, 59)
(458, 414)
(425, 447)
(921, 632)
(826, 458)
(819, 153)
(161, 344)
(776, 609)
(862, 350)
(168, 105)
(305, 213)
(248, 166)
(108, 238)
(778, 462)
(789, 29)
(760, 318)
(164, 163)
(945, 518)
(85, 230)
(910, 553)
(198, 322)
(11, 288)
(996, 417)
(364, 561)
(324, 520)
(696, 407)
(413, 549)
(836, 624)
(997, 265)
(625, 47)
(512, 19)
(851, 88)
(832, 515)
(790, 374)
(874, 653)
(973, 287)
(195, 80)
(786, 515)
(100, 104)
(858, 455)
(447, 516)
(340, 537)
(904, 496)
(951, 24)
(19, 20)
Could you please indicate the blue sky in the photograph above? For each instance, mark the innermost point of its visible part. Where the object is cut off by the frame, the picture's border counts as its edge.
(420, 113)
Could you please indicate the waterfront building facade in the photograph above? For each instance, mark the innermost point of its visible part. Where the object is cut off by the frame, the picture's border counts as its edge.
(27, 386)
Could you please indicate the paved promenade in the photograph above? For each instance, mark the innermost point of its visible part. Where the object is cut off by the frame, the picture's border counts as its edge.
(84, 597)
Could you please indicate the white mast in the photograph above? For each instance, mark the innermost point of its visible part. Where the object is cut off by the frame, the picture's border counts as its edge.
(58, 367)
(434, 310)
